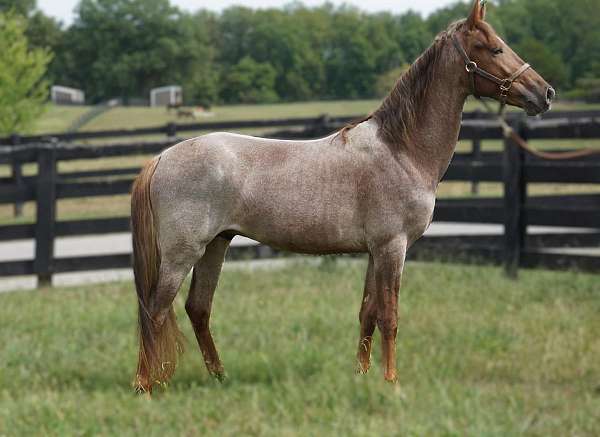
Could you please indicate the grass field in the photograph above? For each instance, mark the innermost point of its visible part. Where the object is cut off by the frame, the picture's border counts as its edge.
(58, 118)
(479, 355)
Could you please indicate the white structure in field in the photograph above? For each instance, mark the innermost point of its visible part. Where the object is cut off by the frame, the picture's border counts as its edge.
(166, 95)
(62, 95)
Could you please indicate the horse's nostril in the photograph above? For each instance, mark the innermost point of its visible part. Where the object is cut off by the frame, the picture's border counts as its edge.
(550, 94)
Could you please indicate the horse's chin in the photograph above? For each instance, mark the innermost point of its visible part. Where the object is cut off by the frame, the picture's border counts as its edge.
(533, 109)
(532, 112)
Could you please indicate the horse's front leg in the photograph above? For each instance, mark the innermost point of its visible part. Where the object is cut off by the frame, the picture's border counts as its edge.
(388, 264)
(367, 318)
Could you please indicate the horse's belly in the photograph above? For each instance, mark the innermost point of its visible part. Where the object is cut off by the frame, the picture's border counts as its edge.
(312, 243)
(313, 231)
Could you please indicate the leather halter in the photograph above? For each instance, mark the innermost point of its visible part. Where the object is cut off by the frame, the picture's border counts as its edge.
(472, 68)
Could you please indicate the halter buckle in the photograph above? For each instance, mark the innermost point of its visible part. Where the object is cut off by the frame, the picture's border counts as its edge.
(506, 85)
(471, 66)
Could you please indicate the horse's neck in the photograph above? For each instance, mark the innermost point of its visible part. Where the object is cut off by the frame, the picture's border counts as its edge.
(434, 137)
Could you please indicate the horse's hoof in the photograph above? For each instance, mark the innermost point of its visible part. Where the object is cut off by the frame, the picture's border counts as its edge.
(219, 376)
(218, 373)
(391, 378)
(144, 391)
(142, 387)
(362, 369)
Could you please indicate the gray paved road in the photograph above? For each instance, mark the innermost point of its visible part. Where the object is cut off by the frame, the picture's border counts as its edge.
(121, 243)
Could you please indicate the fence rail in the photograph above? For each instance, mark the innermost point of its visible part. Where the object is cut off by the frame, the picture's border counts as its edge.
(308, 123)
(512, 167)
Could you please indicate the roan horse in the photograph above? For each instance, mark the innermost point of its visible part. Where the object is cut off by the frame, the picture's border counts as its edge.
(367, 189)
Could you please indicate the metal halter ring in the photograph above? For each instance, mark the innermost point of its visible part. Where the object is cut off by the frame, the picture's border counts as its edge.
(506, 85)
(471, 66)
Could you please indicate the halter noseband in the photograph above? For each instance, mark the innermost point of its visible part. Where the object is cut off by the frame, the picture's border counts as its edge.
(472, 68)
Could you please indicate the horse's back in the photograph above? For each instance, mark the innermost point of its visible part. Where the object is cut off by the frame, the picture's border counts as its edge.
(303, 191)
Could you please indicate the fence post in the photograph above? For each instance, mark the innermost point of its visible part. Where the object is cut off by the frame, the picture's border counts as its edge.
(476, 154)
(171, 130)
(476, 157)
(318, 127)
(514, 198)
(46, 214)
(17, 175)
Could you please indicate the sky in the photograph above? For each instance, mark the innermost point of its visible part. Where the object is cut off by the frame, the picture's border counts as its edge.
(63, 9)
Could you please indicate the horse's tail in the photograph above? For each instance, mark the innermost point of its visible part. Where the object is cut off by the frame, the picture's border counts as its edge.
(160, 342)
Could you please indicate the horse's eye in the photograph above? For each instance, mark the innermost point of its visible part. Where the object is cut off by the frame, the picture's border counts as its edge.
(497, 50)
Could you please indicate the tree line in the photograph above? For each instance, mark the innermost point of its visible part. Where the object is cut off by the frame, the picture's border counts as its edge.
(123, 48)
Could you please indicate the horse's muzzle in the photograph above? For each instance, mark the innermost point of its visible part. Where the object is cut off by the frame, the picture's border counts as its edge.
(539, 102)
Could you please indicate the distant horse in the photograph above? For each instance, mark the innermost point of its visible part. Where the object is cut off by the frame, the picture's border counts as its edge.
(175, 105)
(367, 189)
(185, 113)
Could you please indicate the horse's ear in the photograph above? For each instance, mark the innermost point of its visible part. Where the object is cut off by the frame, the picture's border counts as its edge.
(477, 14)
(482, 10)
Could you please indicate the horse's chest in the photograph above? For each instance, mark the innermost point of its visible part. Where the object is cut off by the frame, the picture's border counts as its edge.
(406, 212)
(418, 215)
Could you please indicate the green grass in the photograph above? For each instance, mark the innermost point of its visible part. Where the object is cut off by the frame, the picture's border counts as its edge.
(58, 118)
(479, 355)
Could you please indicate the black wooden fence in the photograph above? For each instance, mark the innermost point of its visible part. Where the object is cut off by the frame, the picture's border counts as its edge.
(513, 167)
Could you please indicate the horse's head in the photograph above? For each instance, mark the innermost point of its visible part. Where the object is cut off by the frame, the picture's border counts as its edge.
(495, 70)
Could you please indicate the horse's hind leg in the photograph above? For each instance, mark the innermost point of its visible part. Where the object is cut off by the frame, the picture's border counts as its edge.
(368, 319)
(199, 302)
(388, 264)
(162, 340)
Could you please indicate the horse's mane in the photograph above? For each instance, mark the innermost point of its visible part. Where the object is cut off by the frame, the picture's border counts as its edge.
(399, 111)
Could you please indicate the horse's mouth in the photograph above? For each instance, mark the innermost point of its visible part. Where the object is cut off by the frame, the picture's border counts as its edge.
(532, 108)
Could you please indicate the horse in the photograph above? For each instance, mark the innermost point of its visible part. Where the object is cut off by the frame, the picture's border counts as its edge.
(172, 105)
(185, 113)
(369, 188)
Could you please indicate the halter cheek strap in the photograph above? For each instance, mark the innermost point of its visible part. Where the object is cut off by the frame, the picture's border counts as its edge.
(473, 69)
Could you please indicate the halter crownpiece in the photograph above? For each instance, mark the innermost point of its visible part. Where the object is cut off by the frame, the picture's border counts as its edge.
(473, 69)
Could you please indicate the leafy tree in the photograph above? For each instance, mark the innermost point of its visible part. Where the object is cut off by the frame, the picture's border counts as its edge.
(43, 31)
(387, 80)
(126, 47)
(384, 34)
(350, 57)
(288, 39)
(47, 33)
(198, 73)
(22, 7)
(413, 35)
(441, 18)
(569, 30)
(250, 82)
(587, 88)
(235, 27)
(544, 60)
(22, 90)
